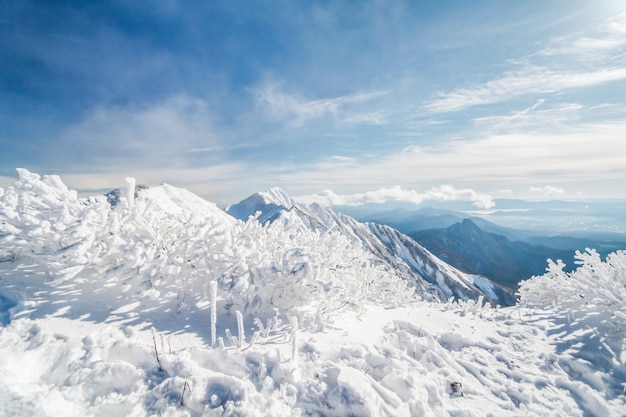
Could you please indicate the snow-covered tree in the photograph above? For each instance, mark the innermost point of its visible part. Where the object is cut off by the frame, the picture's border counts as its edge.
(168, 244)
(588, 304)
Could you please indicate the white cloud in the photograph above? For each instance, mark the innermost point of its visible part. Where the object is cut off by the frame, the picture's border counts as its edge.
(547, 190)
(173, 141)
(541, 116)
(587, 158)
(6, 182)
(397, 193)
(609, 37)
(373, 118)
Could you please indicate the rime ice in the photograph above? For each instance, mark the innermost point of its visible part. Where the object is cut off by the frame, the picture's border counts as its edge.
(335, 331)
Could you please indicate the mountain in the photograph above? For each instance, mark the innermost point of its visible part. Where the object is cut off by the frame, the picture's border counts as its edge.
(156, 302)
(503, 254)
(408, 221)
(411, 221)
(266, 206)
(471, 249)
(603, 242)
(515, 219)
(386, 246)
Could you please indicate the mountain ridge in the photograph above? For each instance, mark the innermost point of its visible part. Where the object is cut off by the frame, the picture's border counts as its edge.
(413, 261)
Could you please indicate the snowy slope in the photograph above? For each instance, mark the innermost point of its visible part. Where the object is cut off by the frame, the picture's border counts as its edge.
(108, 311)
(432, 278)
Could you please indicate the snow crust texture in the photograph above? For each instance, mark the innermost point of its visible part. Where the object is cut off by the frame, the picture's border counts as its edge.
(109, 310)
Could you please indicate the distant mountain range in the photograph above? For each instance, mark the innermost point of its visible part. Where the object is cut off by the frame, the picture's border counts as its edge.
(595, 219)
(503, 254)
(411, 221)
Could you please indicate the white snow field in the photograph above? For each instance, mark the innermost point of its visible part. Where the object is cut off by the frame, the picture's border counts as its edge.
(154, 302)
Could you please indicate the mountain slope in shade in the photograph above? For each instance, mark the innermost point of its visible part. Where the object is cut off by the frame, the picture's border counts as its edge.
(389, 247)
(469, 248)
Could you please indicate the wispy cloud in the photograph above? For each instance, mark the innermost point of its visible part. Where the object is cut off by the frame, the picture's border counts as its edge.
(372, 118)
(298, 98)
(597, 58)
(151, 135)
(173, 141)
(298, 111)
(528, 80)
(397, 193)
(608, 37)
(542, 115)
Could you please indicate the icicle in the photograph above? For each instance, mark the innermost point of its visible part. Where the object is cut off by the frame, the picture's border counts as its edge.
(129, 191)
(294, 338)
(213, 294)
(241, 335)
(231, 338)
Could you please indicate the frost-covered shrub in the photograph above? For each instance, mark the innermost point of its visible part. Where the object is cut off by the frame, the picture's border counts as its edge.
(167, 245)
(300, 271)
(593, 283)
(588, 304)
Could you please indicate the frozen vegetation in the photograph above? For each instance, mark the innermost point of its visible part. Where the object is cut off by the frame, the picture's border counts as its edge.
(153, 301)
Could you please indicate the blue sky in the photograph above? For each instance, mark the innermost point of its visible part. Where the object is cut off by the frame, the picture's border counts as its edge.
(341, 102)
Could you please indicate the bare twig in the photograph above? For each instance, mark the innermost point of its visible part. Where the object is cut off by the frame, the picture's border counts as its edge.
(182, 396)
(156, 351)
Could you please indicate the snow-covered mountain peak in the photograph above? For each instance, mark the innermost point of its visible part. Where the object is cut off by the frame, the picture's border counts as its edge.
(181, 203)
(264, 205)
(277, 196)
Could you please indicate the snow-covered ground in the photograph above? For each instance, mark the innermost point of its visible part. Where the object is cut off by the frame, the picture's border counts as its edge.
(106, 311)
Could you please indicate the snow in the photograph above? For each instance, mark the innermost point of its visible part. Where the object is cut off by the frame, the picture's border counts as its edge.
(91, 293)
(485, 285)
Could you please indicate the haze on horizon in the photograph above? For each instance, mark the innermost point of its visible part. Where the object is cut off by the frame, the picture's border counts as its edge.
(341, 103)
